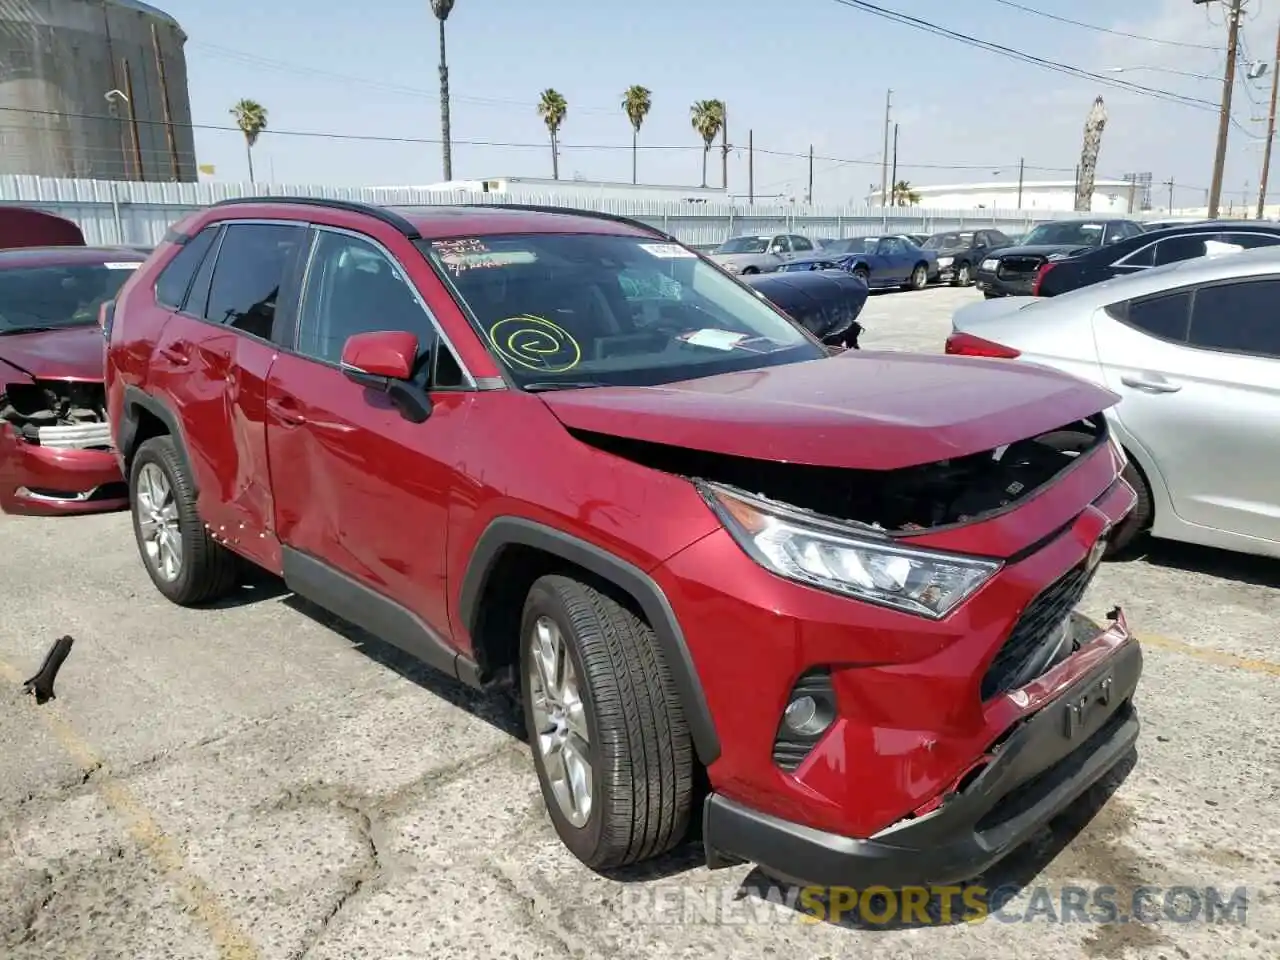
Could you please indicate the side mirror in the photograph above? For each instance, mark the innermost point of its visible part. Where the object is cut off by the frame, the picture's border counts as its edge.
(385, 360)
(384, 353)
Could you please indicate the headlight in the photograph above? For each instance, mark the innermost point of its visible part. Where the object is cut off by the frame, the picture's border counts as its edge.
(990, 264)
(945, 261)
(732, 267)
(858, 562)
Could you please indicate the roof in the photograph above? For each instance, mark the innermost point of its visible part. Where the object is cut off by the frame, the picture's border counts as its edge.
(67, 256)
(458, 220)
(1012, 186)
(139, 7)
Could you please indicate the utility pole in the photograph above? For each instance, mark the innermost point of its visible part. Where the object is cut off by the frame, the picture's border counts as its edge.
(884, 157)
(809, 195)
(893, 179)
(724, 151)
(133, 119)
(164, 104)
(1271, 130)
(1224, 115)
(751, 167)
(1021, 168)
(1169, 184)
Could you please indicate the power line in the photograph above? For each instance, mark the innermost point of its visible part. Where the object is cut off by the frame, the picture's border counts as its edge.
(1095, 27)
(1014, 54)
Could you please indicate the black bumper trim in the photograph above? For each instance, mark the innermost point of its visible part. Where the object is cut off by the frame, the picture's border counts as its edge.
(1038, 771)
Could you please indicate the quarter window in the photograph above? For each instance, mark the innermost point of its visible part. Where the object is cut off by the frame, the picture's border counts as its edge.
(1238, 317)
(254, 262)
(1165, 316)
(175, 278)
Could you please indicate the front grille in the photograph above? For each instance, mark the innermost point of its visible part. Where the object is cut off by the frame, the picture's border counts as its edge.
(1037, 630)
(1014, 268)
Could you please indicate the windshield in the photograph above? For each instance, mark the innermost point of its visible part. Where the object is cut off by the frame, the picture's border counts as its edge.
(853, 245)
(744, 245)
(1081, 232)
(583, 309)
(58, 296)
(948, 241)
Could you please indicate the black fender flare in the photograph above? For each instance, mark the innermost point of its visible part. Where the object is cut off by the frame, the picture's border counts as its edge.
(135, 399)
(507, 531)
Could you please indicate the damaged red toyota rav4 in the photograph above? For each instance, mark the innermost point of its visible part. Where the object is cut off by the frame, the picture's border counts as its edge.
(560, 451)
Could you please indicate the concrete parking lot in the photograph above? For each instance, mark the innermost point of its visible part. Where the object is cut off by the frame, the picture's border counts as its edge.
(258, 782)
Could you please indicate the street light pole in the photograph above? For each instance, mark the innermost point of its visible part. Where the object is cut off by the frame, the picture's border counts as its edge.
(1224, 115)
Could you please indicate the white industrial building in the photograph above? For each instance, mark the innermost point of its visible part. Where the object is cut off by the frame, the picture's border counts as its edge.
(546, 188)
(1057, 196)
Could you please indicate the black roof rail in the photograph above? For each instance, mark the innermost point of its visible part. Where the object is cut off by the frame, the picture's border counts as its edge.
(389, 217)
(574, 212)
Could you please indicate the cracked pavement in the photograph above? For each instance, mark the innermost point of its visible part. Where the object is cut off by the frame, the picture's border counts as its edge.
(261, 782)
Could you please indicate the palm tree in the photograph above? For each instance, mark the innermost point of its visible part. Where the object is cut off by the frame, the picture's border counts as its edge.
(442, 9)
(636, 103)
(552, 109)
(904, 195)
(708, 120)
(251, 118)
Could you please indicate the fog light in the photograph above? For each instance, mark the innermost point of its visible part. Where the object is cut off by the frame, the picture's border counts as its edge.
(804, 717)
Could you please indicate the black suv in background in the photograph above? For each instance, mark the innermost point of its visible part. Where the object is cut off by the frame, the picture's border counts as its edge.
(1012, 272)
(1152, 249)
(960, 252)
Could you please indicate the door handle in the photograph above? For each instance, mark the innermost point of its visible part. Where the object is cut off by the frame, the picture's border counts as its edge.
(1150, 386)
(175, 356)
(285, 412)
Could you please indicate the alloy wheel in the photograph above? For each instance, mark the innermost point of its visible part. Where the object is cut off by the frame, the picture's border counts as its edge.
(158, 528)
(560, 719)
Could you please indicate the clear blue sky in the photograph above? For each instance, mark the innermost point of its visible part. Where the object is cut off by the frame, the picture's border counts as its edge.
(794, 72)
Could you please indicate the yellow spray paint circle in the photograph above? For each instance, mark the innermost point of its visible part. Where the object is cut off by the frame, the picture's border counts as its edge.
(535, 343)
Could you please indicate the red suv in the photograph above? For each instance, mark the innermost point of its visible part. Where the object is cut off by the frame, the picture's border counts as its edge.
(560, 451)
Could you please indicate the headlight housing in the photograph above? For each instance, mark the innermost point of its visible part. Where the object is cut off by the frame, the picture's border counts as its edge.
(945, 261)
(848, 559)
(990, 264)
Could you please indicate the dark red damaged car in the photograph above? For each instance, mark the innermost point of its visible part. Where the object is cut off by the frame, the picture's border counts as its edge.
(55, 443)
(558, 451)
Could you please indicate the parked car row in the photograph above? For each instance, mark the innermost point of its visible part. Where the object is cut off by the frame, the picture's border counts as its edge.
(566, 457)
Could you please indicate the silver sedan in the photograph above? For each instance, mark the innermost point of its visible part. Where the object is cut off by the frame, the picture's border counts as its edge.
(1193, 351)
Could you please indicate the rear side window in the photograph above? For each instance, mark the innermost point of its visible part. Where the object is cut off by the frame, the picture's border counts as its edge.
(1186, 247)
(801, 243)
(175, 279)
(1165, 316)
(1238, 317)
(254, 262)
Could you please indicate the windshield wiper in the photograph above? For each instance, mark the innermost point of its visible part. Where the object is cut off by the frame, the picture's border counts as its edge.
(543, 385)
(5, 331)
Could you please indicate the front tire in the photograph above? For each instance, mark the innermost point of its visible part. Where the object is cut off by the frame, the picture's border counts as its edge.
(180, 556)
(963, 276)
(609, 740)
(919, 278)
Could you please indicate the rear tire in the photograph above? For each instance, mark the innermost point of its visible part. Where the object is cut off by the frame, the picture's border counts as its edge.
(640, 757)
(1140, 518)
(180, 556)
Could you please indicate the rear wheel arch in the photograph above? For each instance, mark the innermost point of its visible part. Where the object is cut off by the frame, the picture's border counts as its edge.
(514, 552)
(146, 416)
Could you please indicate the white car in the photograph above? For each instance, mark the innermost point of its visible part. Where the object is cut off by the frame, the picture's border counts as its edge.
(1193, 350)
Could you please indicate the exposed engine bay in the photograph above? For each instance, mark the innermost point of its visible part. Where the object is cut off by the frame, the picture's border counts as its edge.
(910, 499)
(58, 414)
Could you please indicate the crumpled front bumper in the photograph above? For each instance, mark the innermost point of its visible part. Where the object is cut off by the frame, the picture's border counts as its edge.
(46, 481)
(1039, 767)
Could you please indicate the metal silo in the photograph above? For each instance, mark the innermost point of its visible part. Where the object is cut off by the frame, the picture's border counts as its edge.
(82, 94)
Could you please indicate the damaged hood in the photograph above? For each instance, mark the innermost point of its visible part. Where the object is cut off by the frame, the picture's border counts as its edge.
(864, 410)
(73, 353)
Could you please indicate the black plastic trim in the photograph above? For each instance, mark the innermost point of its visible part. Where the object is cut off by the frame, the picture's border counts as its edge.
(390, 218)
(1036, 775)
(381, 616)
(135, 397)
(507, 531)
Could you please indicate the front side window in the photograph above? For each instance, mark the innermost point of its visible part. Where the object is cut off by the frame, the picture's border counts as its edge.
(1239, 317)
(744, 245)
(608, 309)
(54, 296)
(254, 261)
(175, 278)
